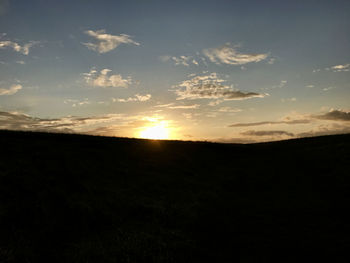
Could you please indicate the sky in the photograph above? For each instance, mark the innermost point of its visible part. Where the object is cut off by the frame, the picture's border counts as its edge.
(226, 71)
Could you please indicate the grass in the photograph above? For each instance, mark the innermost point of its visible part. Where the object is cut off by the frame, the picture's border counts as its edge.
(76, 198)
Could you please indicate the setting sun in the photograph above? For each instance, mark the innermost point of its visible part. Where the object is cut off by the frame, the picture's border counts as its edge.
(157, 131)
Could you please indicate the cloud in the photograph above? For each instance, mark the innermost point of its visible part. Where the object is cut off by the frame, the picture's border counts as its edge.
(289, 99)
(267, 133)
(282, 84)
(229, 109)
(76, 103)
(328, 89)
(249, 124)
(228, 54)
(195, 106)
(341, 68)
(106, 42)
(164, 58)
(335, 115)
(12, 90)
(271, 61)
(182, 60)
(21, 62)
(336, 68)
(19, 121)
(326, 130)
(16, 47)
(104, 79)
(163, 105)
(210, 87)
(235, 140)
(137, 97)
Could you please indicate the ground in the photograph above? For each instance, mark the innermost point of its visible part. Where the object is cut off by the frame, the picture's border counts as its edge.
(78, 198)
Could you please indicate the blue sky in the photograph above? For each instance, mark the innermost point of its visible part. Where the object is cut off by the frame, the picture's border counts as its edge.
(233, 71)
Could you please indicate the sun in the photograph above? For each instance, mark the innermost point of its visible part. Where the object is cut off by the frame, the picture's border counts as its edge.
(158, 131)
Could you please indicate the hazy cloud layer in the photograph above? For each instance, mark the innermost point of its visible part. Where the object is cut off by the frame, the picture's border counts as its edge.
(17, 47)
(19, 121)
(267, 133)
(137, 97)
(105, 79)
(105, 42)
(335, 115)
(326, 130)
(228, 54)
(210, 87)
(286, 121)
(12, 90)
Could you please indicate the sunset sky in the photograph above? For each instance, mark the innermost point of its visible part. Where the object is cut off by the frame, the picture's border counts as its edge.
(224, 71)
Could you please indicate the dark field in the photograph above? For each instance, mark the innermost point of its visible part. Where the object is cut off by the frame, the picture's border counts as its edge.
(75, 198)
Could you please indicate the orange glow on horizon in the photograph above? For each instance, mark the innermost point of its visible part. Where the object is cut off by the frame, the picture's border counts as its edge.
(157, 131)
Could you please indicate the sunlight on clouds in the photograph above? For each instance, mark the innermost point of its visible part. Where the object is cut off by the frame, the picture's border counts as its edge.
(18, 48)
(105, 79)
(107, 42)
(228, 54)
(12, 90)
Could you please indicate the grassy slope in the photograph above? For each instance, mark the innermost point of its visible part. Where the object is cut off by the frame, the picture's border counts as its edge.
(73, 198)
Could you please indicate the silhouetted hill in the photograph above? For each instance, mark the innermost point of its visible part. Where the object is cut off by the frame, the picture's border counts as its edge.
(75, 198)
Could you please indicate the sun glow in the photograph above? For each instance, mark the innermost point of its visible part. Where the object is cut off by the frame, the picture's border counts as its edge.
(157, 131)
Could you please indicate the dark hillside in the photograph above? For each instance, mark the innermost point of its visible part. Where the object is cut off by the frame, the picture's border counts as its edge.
(75, 198)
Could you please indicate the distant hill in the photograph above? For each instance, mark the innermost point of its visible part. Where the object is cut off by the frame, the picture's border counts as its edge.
(77, 198)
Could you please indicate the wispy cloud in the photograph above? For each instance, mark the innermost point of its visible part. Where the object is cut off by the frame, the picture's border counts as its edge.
(107, 42)
(341, 68)
(194, 106)
(17, 47)
(228, 54)
(210, 87)
(271, 61)
(267, 133)
(328, 88)
(12, 90)
(104, 79)
(229, 110)
(182, 60)
(289, 99)
(336, 68)
(137, 97)
(76, 103)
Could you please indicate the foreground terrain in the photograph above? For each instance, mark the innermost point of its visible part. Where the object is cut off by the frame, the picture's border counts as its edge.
(75, 198)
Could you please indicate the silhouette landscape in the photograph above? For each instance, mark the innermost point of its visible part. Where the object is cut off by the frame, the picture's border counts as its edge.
(79, 198)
